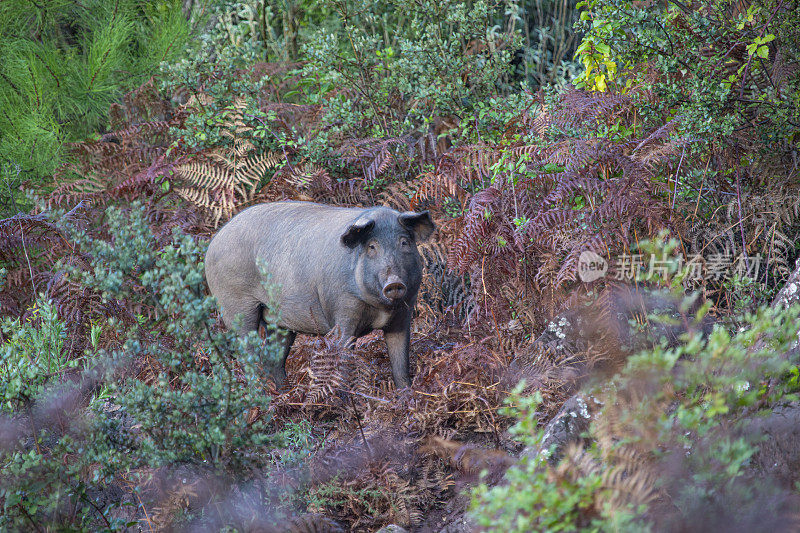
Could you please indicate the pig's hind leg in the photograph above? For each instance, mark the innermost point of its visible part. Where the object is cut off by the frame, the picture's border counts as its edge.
(240, 314)
(285, 339)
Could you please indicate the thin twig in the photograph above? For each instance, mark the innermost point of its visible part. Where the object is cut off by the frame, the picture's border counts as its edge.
(361, 429)
(96, 508)
(741, 225)
(363, 395)
(28, 516)
(28, 259)
(677, 172)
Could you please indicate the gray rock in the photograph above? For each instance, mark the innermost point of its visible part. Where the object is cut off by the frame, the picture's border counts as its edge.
(462, 524)
(790, 293)
(392, 528)
(568, 426)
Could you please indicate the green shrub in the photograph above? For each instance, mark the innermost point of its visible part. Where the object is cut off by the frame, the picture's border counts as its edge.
(208, 382)
(49, 480)
(179, 393)
(32, 354)
(402, 67)
(533, 496)
(715, 66)
(217, 85)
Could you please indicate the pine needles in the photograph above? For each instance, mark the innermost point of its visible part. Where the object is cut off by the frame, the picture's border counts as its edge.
(57, 81)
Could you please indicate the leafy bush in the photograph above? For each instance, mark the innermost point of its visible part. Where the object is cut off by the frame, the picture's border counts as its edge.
(178, 393)
(435, 58)
(722, 69)
(718, 76)
(48, 479)
(214, 381)
(32, 354)
(214, 78)
(534, 497)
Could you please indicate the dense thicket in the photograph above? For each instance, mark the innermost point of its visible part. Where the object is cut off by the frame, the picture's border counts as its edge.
(660, 138)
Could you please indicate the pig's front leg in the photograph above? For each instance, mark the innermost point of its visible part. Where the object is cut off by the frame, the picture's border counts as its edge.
(398, 338)
(346, 334)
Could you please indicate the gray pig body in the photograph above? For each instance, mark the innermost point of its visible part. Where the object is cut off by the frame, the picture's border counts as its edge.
(354, 268)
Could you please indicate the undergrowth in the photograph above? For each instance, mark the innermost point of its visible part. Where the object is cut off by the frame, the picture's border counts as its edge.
(673, 440)
(63, 464)
(125, 404)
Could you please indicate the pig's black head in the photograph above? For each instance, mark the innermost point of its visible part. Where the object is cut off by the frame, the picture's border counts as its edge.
(388, 270)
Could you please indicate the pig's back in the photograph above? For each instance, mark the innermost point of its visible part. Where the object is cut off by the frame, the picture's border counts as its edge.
(299, 243)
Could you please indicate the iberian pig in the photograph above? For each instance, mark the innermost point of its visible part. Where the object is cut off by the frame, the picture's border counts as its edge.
(354, 268)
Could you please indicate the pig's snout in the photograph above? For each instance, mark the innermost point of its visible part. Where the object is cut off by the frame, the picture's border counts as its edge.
(394, 288)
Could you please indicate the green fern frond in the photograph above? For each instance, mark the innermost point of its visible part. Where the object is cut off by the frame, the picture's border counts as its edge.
(228, 177)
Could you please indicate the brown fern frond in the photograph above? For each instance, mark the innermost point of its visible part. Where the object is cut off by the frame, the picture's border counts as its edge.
(582, 108)
(374, 156)
(128, 163)
(468, 458)
(577, 194)
(31, 247)
(206, 176)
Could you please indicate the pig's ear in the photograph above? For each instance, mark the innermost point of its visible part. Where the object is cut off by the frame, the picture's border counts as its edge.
(357, 233)
(420, 223)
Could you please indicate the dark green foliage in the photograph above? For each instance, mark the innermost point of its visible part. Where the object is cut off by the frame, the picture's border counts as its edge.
(434, 59)
(63, 63)
(215, 85)
(726, 70)
(53, 486)
(31, 354)
(206, 386)
(48, 476)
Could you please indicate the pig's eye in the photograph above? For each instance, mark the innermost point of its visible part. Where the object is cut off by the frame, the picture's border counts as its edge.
(404, 242)
(372, 247)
